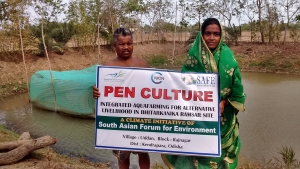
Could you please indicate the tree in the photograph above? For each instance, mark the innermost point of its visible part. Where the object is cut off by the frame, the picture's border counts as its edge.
(4, 14)
(183, 6)
(57, 34)
(259, 4)
(164, 11)
(15, 19)
(113, 11)
(132, 9)
(291, 8)
(48, 10)
(229, 9)
(272, 16)
(150, 16)
(135, 8)
(250, 12)
(48, 13)
(196, 10)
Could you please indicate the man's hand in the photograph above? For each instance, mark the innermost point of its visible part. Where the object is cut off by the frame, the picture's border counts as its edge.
(96, 92)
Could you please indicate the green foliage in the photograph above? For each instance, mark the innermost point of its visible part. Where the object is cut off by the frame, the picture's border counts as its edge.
(39, 51)
(4, 13)
(239, 58)
(297, 18)
(192, 38)
(183, 23)
(160, 12)
(178, 61)
(163, 25)
(48, 10)
(158, 61)
(7, 135)
(266, 64)
(129, 22)
(287, 155)
(61, 32)
(233, 33)
(286, 64)
(89, 16)
(58, 50)
(55, 34)
(195, 10)
(295, 32)
(12, 87)
(246, 27)
(48, 29)
(134, 6)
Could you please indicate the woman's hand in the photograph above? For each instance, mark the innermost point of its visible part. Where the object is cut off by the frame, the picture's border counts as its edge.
(96, 92)
(223, 103)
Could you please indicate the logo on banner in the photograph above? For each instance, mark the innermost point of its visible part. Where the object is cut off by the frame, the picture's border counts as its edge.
(188, 79)
(114, 77)
(207, 80)
(157, 78)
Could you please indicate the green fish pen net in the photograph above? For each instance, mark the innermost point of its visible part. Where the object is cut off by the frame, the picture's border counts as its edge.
(72, 94)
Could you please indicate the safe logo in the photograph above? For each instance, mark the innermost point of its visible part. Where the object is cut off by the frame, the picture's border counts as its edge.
(188, 79)
(116, 75)
(157, 78)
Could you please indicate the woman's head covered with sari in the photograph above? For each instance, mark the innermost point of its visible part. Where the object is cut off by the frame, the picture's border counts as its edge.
(211, 32)
(209, 54)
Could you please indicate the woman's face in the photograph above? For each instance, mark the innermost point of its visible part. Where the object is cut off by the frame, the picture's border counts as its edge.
(212, 36)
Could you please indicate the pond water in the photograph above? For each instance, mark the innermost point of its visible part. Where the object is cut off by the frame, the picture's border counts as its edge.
(271, 120)
(272, 115)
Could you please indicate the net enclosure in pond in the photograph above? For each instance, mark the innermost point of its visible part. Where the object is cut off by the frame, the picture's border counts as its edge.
(70, 91)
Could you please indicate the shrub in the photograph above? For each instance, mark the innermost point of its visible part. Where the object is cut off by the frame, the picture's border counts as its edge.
(158, 61)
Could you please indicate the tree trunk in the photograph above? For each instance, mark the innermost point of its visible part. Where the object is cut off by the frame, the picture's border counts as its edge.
(259, 6)
(23, 146)
(251, 31)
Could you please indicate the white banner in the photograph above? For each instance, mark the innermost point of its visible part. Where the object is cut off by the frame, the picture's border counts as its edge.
(155, 110)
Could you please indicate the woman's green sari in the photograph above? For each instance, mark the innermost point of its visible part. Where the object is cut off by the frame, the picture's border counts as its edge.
(222, 61)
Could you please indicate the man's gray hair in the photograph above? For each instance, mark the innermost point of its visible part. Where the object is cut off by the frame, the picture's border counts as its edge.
(123, 32)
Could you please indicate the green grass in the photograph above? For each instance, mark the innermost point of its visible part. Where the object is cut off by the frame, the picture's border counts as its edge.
(8, 89)
(158, 60)
(7, 135)
(288, 156)
(163, 61)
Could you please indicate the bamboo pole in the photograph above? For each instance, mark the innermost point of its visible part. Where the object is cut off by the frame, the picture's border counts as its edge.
(173, 55)
(99, 40)
(23, 55)
(52, 79)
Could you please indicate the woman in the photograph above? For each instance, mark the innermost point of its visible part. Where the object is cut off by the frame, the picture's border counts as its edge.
(209, 54)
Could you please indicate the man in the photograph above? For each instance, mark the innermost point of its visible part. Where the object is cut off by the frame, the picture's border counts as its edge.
(123, 44)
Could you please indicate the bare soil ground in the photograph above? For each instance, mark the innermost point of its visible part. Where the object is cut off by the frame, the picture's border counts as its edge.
(275, 58)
